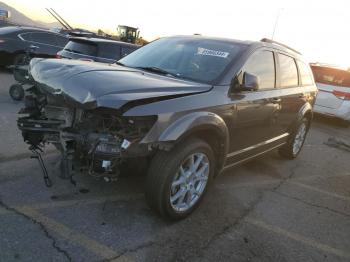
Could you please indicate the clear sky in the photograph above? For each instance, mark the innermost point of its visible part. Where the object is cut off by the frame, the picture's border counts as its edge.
(319, 29)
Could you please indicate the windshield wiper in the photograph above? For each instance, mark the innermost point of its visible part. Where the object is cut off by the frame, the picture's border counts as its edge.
(156, 70)
(119, 63)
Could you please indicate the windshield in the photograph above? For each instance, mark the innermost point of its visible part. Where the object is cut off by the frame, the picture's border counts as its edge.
(202, 60)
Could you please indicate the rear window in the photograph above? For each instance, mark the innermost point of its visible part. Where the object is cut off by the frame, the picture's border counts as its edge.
(127, 50)
(61, 40)
(305, 74)
(81, 47)
(331, 76)
(288, 71)
(109, 50)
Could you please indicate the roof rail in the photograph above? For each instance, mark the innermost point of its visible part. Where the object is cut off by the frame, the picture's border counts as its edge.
(266, 40)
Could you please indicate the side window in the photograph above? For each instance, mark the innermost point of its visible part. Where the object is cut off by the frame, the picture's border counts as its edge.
(26, 36)
(262, 64)
(44, 38)
(305, 74)
(288, 71)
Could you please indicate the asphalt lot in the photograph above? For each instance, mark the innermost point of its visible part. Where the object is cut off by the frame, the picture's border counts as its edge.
(270, 209)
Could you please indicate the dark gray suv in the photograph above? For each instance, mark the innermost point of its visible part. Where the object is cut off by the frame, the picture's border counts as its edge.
(189, 107)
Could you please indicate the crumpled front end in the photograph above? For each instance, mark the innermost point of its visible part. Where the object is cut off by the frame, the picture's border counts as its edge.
(95, 141)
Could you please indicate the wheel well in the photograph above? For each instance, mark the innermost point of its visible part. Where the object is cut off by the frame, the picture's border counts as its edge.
(308, 115)
(215, 140)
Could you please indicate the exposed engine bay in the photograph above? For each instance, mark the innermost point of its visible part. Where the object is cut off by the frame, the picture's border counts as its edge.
(96, 141)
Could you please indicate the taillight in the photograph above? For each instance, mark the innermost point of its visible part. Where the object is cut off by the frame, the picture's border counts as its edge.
(341, 95)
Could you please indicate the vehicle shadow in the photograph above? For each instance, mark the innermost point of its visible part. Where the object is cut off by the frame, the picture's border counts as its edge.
(331, 121)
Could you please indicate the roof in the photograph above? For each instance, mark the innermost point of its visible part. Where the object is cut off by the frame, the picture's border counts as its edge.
(103, 40)
(12, 29)
(134, 28)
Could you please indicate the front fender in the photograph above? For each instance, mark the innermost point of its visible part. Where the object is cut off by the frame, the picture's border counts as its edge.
(195, 122)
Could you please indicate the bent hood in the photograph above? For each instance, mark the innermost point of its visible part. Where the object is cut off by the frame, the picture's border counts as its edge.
(93, 85)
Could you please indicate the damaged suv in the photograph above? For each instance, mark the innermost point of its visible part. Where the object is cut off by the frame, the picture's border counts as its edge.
(190, 106)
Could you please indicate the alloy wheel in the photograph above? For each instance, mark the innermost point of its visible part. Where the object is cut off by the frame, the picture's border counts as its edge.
(190, 182)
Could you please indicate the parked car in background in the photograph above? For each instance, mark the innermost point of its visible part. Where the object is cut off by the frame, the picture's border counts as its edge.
(96, 49)
(190, 106)
(333, 98)
(16, 40)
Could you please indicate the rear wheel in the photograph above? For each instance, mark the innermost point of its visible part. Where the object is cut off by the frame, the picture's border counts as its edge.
(178, 180)
(296, 140)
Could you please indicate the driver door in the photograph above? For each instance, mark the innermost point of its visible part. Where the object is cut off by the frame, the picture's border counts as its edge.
(257, 111)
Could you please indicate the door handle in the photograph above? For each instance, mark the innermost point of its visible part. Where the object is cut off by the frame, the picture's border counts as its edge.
(276, 100)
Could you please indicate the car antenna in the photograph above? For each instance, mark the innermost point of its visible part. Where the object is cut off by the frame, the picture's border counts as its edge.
(65, 26)
(62, 19)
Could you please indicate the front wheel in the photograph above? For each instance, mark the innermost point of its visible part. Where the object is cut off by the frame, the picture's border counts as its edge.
(296, 140)
(178, 179)
(16, 92)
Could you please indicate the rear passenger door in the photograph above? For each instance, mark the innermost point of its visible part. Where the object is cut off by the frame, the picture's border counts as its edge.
(292, 93)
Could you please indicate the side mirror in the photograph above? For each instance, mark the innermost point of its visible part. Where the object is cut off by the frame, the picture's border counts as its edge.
(250, 82)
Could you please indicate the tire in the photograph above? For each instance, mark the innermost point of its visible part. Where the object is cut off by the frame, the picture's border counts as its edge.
(289, 150)
(16, 92)
(164, 169)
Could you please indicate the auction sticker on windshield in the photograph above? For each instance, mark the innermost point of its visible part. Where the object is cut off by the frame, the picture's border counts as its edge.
(204, 51)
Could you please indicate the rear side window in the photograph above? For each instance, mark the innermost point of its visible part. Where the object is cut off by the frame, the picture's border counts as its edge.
(305, 74)
(109, 50)
(288, 71)
(81, 47)
(44, 38)
(262, 64)
(26, 36)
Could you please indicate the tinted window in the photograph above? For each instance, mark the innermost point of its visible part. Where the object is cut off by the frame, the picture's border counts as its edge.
(202, 60)
(305, 74)
(81, 47)
(44, 38)
(262, 64)
(108, 50)
(127, 50)
(26, 36)
(288, 71)
(331, 76)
